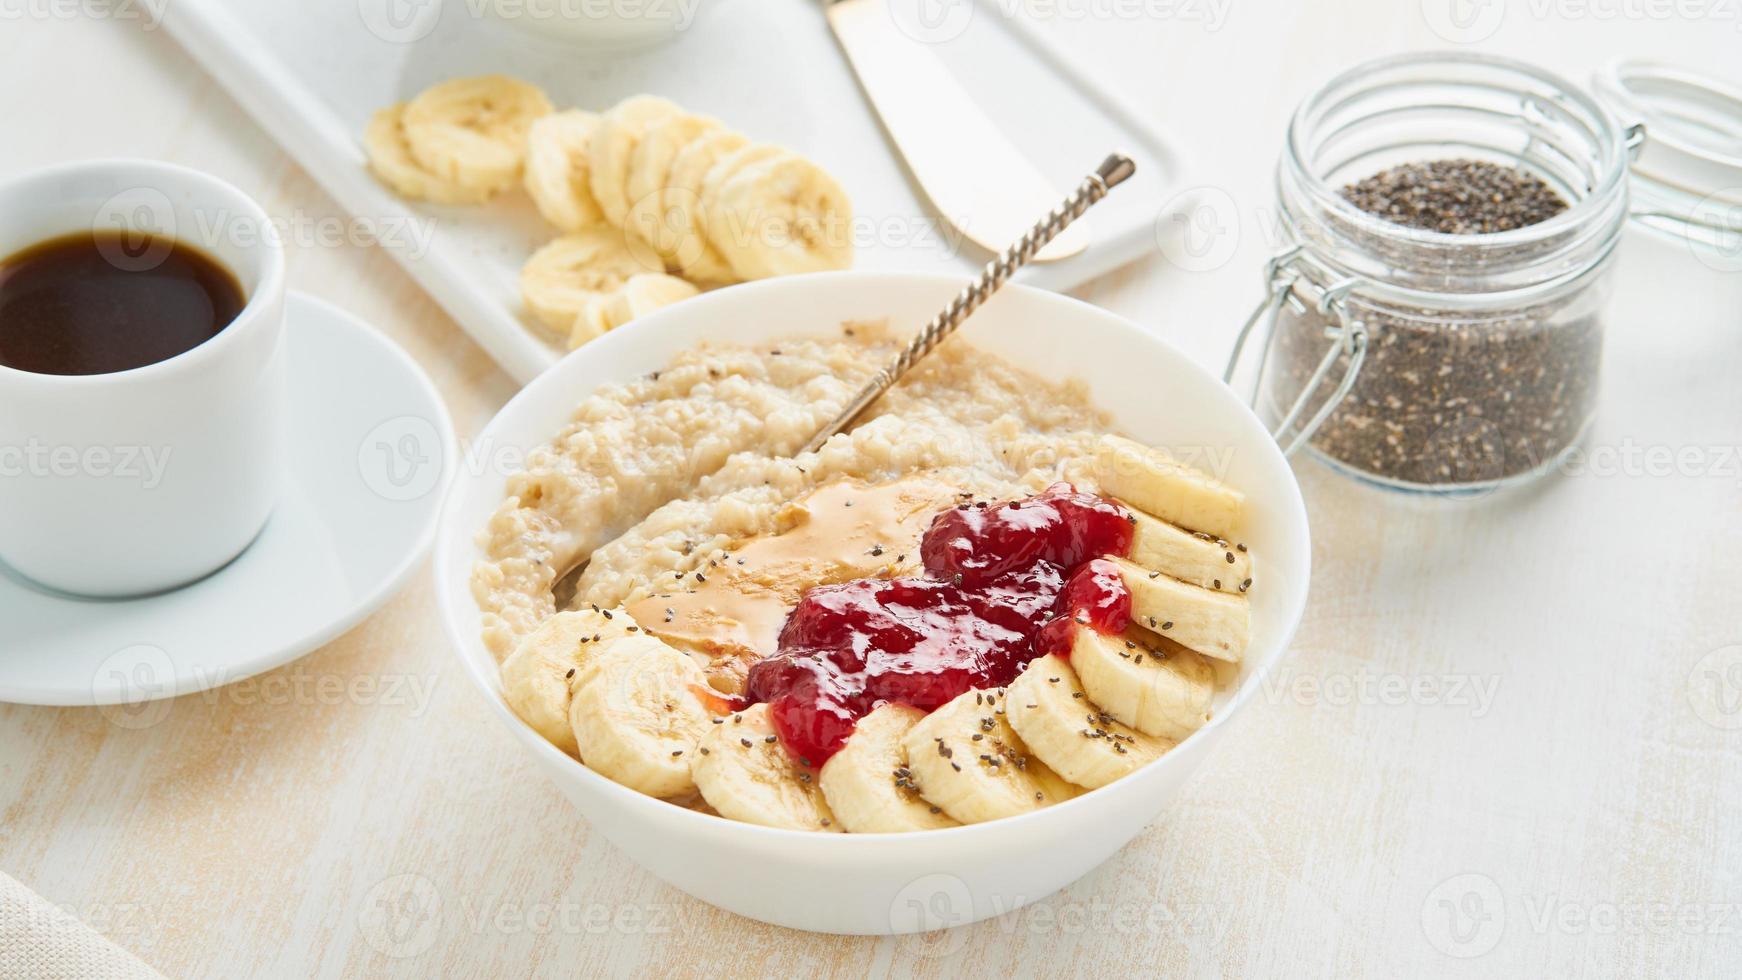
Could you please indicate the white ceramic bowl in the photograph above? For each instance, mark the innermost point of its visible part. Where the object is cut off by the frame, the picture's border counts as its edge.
(896, 883)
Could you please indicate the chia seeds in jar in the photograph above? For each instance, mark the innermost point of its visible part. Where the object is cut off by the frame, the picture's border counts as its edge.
(1455, 217)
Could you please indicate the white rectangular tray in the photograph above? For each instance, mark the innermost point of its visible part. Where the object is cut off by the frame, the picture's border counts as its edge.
(312, 71)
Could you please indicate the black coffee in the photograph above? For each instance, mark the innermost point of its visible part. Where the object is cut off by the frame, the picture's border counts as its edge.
(97, 303)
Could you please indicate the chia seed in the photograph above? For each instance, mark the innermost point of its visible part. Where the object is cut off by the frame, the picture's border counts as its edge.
(1447, 396)
(1457, 197)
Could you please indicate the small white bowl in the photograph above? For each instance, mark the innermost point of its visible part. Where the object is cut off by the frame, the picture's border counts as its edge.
(880, 884)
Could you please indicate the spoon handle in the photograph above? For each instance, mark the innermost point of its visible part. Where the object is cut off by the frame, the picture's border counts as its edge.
(1111, 173)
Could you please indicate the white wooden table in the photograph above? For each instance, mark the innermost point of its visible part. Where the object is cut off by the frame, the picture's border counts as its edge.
(1508, 742)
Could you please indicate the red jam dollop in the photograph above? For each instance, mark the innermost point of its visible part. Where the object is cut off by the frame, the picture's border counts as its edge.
(1059, 526)
(1005, 584)
(1096, 597)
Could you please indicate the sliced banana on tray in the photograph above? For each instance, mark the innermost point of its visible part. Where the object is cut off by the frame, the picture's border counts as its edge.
(390, 157)
(1063, 728)
(613, 146)
(974, 766)
(650, 172)
(642, 295)
(563, 276)
(640, 708)
(559, 168)
(676, 191)
(719, 227)
(472, 131)
(868, 783)
(591, 323)
(745, 773)
(639, 296)
(785, 215)
(695, 256)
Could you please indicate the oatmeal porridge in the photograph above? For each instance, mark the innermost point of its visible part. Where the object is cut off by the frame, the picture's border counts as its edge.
(976, 602)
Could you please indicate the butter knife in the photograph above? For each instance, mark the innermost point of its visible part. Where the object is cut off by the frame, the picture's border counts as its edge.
(974, 177)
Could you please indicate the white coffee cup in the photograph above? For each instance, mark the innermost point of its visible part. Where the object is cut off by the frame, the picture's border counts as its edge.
(144, 480)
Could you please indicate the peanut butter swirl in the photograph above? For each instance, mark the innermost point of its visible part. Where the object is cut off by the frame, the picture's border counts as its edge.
(733, 606)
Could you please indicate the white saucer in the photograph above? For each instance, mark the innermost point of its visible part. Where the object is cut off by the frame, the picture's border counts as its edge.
(370, 450)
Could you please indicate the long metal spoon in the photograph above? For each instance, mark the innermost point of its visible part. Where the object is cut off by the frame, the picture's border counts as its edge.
(1112, 172)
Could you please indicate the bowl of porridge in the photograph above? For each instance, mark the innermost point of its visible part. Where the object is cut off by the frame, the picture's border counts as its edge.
(939, 668)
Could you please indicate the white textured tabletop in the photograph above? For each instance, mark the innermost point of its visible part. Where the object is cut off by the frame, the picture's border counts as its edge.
(1508, 741)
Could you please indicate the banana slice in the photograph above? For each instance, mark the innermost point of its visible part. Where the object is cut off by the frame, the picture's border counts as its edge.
(642, 295)
(1146, 681)
(614, 144)
(782, 216)
(1064, 729)
(560, 278)
(1213, 623)
(696, 257)
(969, 762)
(537, 675)
(628, 645)
(390, 158)
(591, 323)
(1200, 559)
(746, 774)
(650, 170)
(558, 169)
(868, 784)
(472, 131)
(639, 710)
(718, 227)
(1149, 480)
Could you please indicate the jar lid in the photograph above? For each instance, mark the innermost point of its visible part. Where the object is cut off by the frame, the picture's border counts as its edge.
(1687, 173)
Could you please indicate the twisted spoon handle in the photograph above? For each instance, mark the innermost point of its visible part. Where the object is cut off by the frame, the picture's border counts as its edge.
(1111, 173)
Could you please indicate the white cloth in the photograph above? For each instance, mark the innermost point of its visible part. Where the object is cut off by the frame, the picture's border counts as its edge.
(39, 941)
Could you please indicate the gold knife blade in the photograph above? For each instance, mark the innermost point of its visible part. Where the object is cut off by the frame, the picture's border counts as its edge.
(971, 172)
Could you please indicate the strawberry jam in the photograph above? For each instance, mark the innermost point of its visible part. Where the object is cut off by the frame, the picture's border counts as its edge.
(997, 576)
(1095, 597)
(1058, 526)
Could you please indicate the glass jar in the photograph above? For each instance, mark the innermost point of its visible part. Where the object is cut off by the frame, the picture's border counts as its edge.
(1427, 361)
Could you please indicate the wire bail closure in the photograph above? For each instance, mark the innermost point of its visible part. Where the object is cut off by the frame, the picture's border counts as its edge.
(1283, 279)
